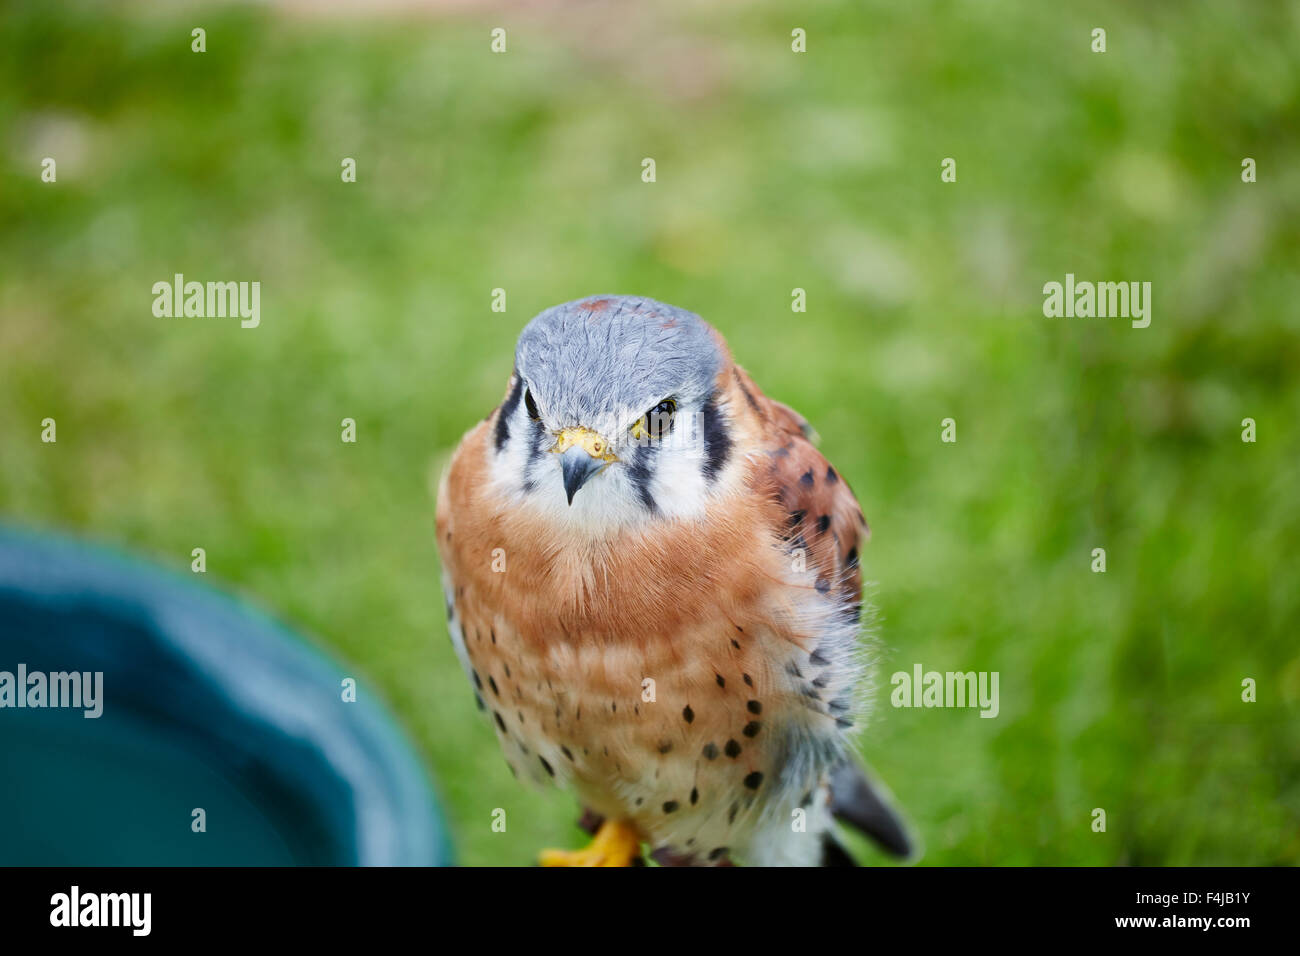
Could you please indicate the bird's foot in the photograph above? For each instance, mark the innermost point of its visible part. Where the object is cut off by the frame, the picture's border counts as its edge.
(615, 844)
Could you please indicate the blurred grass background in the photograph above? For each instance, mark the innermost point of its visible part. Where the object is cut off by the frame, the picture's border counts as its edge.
(775, 170)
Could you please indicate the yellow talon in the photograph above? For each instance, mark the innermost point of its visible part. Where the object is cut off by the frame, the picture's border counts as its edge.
(615, 844)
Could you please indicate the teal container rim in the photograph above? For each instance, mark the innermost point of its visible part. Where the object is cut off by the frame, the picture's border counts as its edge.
(234, 644)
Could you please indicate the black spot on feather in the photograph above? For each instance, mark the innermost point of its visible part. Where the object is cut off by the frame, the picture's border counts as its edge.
(749, 397)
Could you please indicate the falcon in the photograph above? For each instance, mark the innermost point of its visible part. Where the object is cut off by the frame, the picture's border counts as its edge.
(652, 581)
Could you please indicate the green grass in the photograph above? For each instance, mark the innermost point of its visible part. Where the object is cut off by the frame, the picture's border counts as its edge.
(821, 171)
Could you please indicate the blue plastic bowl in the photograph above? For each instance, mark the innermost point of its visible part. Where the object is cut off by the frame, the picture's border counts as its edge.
(206, 705)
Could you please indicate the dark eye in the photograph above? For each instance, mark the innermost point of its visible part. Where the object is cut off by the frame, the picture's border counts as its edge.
(531, 405)
(659, 419)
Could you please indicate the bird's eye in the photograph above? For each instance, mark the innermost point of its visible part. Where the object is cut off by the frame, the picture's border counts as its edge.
(655, 423)
(531, 405)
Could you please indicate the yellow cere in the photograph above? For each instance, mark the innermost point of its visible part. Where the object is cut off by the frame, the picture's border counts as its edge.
(586, 439)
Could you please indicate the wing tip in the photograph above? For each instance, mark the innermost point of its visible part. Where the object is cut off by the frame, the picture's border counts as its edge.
(866, 804)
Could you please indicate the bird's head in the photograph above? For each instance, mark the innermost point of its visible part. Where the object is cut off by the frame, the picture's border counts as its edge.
(613, 412)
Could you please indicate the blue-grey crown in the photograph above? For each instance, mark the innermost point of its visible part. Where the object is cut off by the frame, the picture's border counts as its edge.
(611, 356)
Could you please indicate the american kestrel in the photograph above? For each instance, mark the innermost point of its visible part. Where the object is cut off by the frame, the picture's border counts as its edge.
(652, 582)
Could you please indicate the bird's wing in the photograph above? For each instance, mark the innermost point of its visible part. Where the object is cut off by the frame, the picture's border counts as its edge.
(866, 805)
(824, 519)
(821, 514)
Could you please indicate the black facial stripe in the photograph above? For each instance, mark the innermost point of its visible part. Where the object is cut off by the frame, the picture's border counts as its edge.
(535, 451)
(717, 439)
(638, 472)
(505, 411)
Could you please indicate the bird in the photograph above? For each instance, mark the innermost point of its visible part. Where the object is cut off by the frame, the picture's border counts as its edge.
(653, 583)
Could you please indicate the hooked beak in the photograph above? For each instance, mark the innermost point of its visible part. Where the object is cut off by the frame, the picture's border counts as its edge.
(582, 453)
(577, 466)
